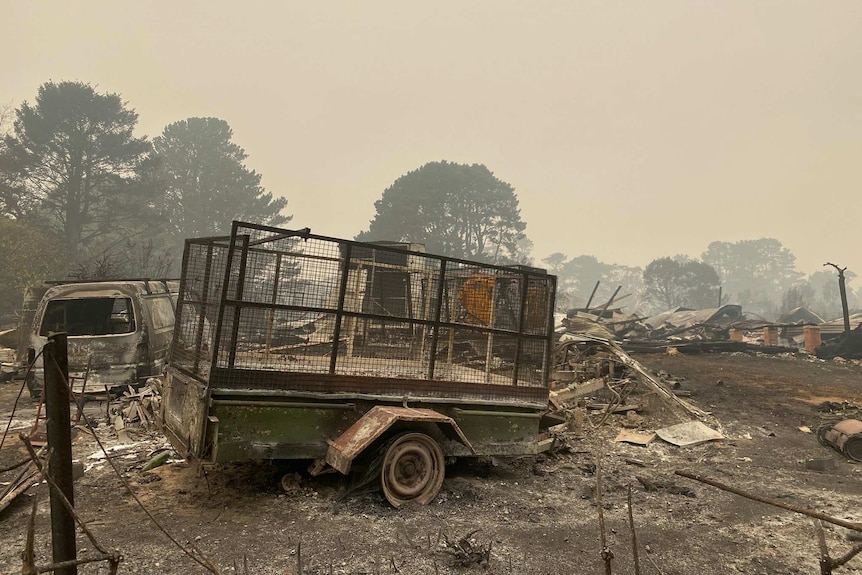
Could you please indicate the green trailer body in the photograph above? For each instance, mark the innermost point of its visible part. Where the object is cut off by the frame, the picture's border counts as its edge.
(290, 345)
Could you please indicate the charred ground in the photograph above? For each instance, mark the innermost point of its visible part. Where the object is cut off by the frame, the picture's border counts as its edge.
(529, 516)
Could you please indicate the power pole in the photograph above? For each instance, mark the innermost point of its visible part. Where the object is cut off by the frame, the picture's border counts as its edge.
(843, 291)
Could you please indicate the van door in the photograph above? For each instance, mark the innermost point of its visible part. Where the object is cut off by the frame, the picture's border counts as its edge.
(160, 323)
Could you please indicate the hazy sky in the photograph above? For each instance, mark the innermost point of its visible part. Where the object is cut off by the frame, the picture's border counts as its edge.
(630, 130)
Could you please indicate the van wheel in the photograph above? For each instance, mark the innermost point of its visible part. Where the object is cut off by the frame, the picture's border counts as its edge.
(413, 469)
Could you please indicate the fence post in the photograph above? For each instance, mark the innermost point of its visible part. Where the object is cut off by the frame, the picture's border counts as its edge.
(56, 362)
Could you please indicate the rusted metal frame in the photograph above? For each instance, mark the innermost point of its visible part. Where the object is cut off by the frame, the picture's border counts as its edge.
(240, 284)
(339, 312)
(525, 288)
(435, 326)
(375, 422)
(199, 336)
(273, 302)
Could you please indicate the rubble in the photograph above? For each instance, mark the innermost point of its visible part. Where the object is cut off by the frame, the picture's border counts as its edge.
(723, 329)
(138, 406)
(845, 346)
(27, 478)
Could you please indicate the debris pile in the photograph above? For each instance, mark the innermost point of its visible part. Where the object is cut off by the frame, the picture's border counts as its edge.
(137, 407)
(724, 328)
(845, 346)
(596, 379)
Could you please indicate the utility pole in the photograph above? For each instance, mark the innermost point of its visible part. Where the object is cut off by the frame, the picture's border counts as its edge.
(843, 291)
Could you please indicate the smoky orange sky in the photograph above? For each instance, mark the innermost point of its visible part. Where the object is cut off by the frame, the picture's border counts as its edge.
(630, 130)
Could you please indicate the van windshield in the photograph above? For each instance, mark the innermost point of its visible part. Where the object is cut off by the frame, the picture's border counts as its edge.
(89, 316)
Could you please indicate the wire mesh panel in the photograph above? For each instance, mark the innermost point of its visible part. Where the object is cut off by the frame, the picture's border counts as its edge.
(204, 265)
(289, 302)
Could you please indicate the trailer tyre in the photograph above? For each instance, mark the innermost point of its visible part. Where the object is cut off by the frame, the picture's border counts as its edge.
(413, 469)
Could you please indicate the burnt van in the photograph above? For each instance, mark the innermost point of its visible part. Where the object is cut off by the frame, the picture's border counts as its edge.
(119, 331)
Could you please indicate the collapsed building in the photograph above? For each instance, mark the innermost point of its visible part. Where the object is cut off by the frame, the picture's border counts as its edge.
(725, 328)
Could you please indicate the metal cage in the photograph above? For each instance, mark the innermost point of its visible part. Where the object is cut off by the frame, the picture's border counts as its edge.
(277, 309)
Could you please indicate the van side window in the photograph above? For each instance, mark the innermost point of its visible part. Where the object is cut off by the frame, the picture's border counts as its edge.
(89, 316)
(161, 312)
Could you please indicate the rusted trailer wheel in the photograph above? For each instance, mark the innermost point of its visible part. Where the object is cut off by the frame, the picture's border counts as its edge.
(413, 469)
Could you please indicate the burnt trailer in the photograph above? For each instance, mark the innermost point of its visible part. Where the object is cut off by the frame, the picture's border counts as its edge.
(290, 345)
